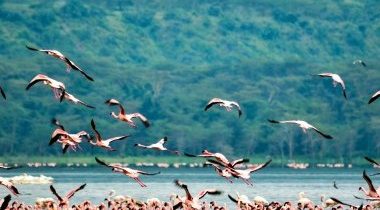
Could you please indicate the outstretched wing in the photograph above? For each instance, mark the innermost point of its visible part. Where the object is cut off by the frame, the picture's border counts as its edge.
(55, 193)
(72, 192)
(5, 203)
(114, 102)
(369, 182)
(57, 123)
(102, 162)
(239, 161)
(146, 173)
(98, 137)
(74, 66)
(212, 102)
(3, 93)
(340, 202)
(322, 134)
(261, 166)
(374, 97)
(371, 161)
(143, 119)
(324, 75)
(238, 107)
(203, 193)
(184, 187)
(36, 79)
(115, 138)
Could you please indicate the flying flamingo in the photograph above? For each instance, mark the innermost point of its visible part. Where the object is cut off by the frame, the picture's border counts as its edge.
(74, 100)
(132, 173)
(103, 143)
(228, 105)
(58, 88)
(372, 192)
(359, 62)
(190, 202)
(336, 80)
(69, 64)
(221, 172)
(158, 146)
(219, 157)
(10, 186)
(64, 201)
(374, 97)
(127, 117)
(304, 125)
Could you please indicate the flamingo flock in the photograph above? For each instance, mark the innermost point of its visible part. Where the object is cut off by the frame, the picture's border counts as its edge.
(222, 165)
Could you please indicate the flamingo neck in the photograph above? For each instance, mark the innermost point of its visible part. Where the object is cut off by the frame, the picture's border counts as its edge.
(114, 115)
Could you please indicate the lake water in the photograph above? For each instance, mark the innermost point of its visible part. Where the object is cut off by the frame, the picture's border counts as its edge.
(272, 183)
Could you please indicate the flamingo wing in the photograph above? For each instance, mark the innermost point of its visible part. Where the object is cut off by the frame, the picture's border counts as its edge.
(3, 93)
(203, 193)
(115, 139)
(372, 161)
(142, 118)
(74, 66)
(72, 192)
(93, 126)
(261, 166)
(374, 97)
(114, 102)
(5, 203)
(184, 187)
(212, 102)
(52, 189)
(322, 134)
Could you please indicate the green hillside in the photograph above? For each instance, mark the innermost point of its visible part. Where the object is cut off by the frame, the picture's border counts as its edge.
(166, 59)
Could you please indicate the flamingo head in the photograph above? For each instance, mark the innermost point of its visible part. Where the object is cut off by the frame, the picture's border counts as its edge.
(206, 152)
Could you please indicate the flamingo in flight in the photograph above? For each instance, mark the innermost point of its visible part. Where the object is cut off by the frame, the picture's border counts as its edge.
(372, 192)
(221, 172)
(99, 142)
(228, 105)
(304, 125)
(58, 88)
(346, 204)
(67, 140)
(158, 146)
(128, 118)
(336, 80)
(69, 64)
(244, 174)
(374, 97)
(3, 93)
(132, 173)
(360, 62)
(10, 186)
(64, 201)
(190, 202)
(219, 157)
(74, 100)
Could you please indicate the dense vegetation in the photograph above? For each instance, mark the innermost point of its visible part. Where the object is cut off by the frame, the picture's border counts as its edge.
(166, 59)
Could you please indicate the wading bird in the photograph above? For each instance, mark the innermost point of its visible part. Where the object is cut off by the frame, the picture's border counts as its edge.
(360, 62)
(372, 192)
(58, 88)
(132, 173)
(127, 117)
(228, 105)
(219, 157)
(244, 174)
(10, 186)
(64, 201)
(304, 125)
(99, 142)
(3, 93)
(190, 202)
(336, 80)
(74, 100)
(374, 97)
(69, 64)
(158, 146)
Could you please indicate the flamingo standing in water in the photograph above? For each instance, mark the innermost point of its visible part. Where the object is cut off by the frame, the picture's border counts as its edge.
(99, 142)
(336, 80)
(374, 97)
(64, 201)
(127, 117)
(10, 186)
(190, 202)
(58, 88)
(228, 105)
(304, 125)
(158, 146)
(69, 64)
(134, 174)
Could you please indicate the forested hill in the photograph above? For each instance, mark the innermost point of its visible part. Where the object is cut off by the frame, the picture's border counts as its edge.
(167, 58)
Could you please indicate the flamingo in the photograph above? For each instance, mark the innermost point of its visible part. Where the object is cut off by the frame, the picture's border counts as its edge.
(158, 146)
(103, 143)
(374, 97)
(359, 62)
(303, 200)
(74, 100)
(228, 105)
(221, 172)
(64, 201)
(57, 87)
(242, 201)
(132, 173)
(10, 186)
(336, 80)
(193, 202)
(372, 192)
(346, 204)
(327, 203)
(304, 125)
(69, 64)
(219, 157)
(3, 93)
(5, 202)
(127, 117)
